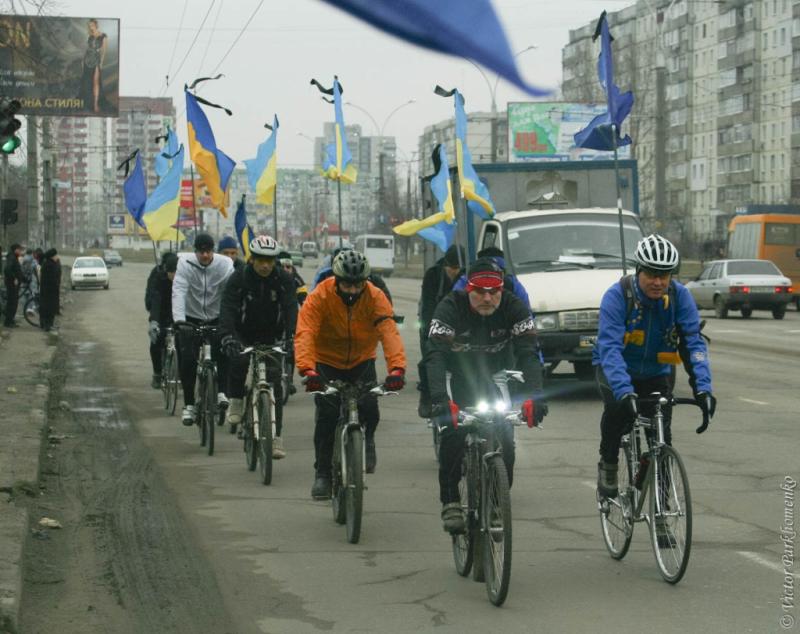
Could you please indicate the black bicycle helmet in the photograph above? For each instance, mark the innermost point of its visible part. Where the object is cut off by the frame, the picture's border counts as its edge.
(350, 266)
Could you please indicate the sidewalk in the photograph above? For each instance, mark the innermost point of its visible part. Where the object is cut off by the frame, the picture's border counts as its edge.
(25, 359)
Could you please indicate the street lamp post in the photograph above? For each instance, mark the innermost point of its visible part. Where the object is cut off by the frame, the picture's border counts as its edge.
(380, 130)
(493, 95)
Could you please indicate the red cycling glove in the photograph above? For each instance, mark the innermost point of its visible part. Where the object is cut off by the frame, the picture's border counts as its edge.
(313, 381)
(395, 381)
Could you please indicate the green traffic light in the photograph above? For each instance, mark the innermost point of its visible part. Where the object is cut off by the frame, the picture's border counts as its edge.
(10, 145)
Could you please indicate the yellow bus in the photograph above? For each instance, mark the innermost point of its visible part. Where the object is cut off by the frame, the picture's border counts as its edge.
(769, 236)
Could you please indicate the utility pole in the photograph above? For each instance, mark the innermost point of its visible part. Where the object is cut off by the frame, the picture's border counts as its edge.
(34, 221)
(660, 148)
(381, 196)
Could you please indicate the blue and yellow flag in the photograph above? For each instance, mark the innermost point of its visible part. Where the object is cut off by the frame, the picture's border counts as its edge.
(262, 171)
(161, 210)
(473, 190)
(214, 166)
(134, 188)
(338, 163)
(243, 230)
(170, 149)
(440, 227)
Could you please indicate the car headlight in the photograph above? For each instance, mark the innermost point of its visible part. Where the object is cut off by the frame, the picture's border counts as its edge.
(547, 322)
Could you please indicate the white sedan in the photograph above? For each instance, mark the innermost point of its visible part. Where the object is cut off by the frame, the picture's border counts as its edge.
(89, 272)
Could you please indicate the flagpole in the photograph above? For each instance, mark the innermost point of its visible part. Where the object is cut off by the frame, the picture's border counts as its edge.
(194, 203)
(619, 199)
(275, 211)
(339, 196)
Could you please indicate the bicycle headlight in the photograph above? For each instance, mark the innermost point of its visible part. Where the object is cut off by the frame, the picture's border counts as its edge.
(482, 407)
(500, 406)
(548, 321)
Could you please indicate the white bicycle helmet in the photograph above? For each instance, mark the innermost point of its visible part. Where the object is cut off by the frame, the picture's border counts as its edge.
(265, 246)
(656, 253)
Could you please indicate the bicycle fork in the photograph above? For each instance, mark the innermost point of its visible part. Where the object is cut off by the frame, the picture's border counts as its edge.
(352, 423)
(263, 386)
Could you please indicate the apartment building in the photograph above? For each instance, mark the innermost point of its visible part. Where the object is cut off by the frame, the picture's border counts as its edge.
(715, 120)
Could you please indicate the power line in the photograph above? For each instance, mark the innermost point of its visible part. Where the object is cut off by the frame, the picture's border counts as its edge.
(238, 37)
(175, 46)
(194, 41)
(210, 37)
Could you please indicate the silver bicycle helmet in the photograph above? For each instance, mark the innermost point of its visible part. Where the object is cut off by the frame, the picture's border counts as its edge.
(656, 253)
(350, 266)
(264, 246)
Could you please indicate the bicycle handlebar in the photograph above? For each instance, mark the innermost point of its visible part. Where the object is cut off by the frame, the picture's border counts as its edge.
(335, 386)
(679, 400)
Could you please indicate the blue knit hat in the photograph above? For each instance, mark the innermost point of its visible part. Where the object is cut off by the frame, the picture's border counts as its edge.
(227, 242)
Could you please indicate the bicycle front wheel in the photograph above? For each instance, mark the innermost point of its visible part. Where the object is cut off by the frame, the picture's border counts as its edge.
(497, 531)
(31, 311)
(210, 406)
(173, 381)
(463, 544)
(264, 437)
(250, 445)
(201, 409)
(670, 515)
(616, 514)
(354, 487)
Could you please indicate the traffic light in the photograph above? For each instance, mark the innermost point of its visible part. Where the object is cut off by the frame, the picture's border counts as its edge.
(8, 211)
(9, 124)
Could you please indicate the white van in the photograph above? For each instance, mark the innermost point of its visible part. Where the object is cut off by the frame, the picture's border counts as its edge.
(379, 250)
(566, 259)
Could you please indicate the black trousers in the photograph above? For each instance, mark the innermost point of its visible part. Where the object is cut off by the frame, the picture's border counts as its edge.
(237, 377)
(157, 349)
(12, 300)
(617, 420)
(328, 409)
(188, 349)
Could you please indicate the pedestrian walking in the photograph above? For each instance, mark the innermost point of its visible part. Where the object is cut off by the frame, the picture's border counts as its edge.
(50, 289)
(13, 278)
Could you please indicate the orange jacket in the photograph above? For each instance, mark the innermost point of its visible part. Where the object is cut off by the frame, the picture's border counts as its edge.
(343, 336)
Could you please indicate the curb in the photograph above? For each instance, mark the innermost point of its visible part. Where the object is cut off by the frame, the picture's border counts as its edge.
(14, 519)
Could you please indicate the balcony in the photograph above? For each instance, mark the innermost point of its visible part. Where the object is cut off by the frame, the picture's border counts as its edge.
(732, 149)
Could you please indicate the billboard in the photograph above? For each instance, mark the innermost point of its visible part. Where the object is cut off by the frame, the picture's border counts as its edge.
(60, 66)
(545, 131)
(116, 223)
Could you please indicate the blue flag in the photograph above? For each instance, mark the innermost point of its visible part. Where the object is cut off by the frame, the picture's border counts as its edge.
(598, 135)
(338, 162)
(163, 158)
(135, 190)
(464, 29)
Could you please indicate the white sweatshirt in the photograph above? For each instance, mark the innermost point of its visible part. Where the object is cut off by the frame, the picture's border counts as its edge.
(197, 290)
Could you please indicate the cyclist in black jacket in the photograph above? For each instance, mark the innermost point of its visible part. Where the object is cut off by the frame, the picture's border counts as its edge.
(259, 306)
(160, 302)
(474, 334)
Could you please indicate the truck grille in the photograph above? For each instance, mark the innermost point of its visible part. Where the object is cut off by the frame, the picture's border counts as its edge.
(579, 320)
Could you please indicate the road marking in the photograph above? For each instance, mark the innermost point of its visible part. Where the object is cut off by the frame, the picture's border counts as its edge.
(793, 332)
(727, 331)
(764, 562)
(753, 401)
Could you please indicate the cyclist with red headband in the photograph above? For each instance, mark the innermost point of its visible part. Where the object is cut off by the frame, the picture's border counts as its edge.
(475, 334)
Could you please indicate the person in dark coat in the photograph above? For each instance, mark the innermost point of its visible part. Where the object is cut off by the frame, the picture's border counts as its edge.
(160, 317)
(49, 289)
(13, 278)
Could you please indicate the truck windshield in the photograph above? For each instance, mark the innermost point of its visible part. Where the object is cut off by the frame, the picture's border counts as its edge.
(580, 240)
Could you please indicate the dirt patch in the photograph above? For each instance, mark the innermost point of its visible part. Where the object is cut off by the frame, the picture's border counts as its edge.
(124, 559)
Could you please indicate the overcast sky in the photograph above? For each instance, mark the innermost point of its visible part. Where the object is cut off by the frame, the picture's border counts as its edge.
(290, 41)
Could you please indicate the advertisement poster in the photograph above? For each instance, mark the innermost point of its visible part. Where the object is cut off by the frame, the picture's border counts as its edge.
(545, 131)
(60, 66)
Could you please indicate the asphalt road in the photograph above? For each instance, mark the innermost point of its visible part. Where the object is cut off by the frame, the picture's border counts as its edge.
(283, 565)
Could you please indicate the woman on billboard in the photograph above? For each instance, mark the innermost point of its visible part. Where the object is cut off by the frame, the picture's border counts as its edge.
(93, 58)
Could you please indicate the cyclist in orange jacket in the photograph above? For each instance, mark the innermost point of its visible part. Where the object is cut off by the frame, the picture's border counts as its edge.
(340, 325)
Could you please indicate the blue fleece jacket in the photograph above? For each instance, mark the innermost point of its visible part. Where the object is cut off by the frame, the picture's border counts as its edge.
(644, 343)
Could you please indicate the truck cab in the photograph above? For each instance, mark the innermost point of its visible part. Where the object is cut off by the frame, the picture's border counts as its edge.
(566, 259)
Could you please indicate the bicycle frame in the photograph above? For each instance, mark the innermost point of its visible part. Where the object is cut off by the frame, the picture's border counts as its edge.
(259, 355)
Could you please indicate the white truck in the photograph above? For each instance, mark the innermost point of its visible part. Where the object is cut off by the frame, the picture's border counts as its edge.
(565, 259)
(379, 249)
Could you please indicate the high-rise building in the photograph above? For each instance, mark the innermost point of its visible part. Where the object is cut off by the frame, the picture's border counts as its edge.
(717, 113)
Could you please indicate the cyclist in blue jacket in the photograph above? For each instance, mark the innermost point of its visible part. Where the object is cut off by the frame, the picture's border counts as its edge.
(648, 324)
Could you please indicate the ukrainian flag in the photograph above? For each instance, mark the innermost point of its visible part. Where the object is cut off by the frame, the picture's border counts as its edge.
(169, 150)
(338, 162)
(472, 189)
(215, 167)
(134, 189)
(161, 208)
(262, 171)
(438, 228)
(243, 230)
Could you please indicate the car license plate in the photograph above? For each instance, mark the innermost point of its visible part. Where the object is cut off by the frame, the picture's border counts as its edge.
(762, 289)
(89, 275)
(587, 341)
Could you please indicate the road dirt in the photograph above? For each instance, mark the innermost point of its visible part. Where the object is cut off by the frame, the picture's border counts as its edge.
(125, 559)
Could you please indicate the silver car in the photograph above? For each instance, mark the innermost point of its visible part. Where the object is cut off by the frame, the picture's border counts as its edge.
(743, 285)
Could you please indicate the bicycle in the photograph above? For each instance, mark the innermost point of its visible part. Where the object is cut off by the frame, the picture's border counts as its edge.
(31, 311)
(169, 371)
(656, 474)
(207, 408)
(258, 421)
(485, 546)
(347, 472)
